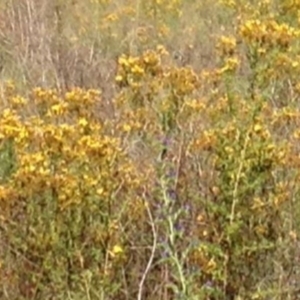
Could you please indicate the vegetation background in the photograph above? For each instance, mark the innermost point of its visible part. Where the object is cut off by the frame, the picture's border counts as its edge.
(149, 149)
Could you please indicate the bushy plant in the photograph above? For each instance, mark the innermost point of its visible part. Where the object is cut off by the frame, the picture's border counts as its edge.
(176, 176)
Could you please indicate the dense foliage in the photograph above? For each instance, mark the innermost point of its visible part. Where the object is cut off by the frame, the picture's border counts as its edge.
(169, 172)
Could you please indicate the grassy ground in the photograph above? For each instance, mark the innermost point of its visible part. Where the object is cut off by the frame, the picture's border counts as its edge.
(149, 149)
